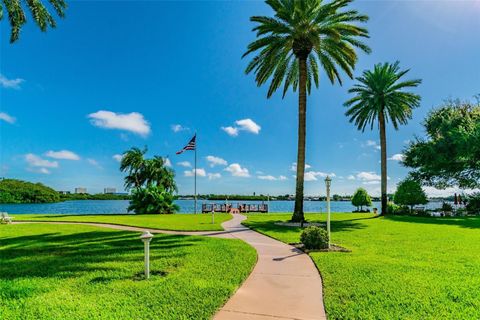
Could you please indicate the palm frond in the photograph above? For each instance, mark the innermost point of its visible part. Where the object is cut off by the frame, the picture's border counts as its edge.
(326, 35)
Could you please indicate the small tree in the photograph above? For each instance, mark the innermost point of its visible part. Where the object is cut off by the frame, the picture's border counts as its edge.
(151, 181)
(361, 198)
(410, 193)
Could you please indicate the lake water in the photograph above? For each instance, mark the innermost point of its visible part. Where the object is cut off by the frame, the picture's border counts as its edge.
(186, 206)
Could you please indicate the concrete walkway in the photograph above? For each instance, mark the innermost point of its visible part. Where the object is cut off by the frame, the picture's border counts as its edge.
(284, 283)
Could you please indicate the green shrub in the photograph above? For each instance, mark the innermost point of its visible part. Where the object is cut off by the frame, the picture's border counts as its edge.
(314, 238)
(392, 208)
(447, 207)
(152, 200)
(473, 203)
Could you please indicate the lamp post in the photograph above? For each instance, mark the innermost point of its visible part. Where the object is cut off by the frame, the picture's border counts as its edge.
(328, 182)
(146, 237)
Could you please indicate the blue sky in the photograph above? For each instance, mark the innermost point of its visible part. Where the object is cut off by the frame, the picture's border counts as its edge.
(119, 74)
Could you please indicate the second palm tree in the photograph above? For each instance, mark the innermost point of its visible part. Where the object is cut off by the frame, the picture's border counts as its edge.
(379, 97)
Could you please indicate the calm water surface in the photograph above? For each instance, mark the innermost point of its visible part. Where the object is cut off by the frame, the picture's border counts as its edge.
(186, 206)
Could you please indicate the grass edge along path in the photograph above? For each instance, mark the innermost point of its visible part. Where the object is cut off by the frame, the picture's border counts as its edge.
(169, 222)
(399, 267)
(77, 271)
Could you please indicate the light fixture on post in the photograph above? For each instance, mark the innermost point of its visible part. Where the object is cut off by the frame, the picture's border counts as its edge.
(328, 183)
(146, 237)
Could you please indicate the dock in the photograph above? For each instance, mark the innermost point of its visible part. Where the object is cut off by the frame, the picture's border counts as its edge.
(239, 208)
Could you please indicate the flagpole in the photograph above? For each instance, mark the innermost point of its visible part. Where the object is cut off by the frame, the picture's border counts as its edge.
(195, 181)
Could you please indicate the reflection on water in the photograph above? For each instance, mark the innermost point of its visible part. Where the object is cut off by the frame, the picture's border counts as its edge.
(186, 206)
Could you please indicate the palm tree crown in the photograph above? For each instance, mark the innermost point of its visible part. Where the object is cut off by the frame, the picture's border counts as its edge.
(40, 14)
(380, 91)
(312, 30)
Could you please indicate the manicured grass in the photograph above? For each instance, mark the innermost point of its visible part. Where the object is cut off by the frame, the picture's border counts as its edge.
(399, 268)
(178, 222)
(82, 272)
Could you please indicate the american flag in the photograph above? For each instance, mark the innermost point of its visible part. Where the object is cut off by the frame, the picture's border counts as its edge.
(190, 146)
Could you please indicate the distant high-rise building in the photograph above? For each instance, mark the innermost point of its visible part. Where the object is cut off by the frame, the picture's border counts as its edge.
(109, 190)
(80, 190)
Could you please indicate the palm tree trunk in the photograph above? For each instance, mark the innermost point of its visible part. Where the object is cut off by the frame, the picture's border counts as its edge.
(298, 215)
(383, 160)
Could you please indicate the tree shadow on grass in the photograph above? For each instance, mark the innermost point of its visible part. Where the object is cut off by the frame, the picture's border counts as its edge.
(336, 225)
(72, 255)
(465, 222)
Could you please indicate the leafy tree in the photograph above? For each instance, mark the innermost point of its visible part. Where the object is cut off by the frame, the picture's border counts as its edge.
(152, 183)
(301, 38)
(361, 198)
(40, 14)
(410, 193)
(473, 203)
(450, 154)
(379, 97)
(17, 191)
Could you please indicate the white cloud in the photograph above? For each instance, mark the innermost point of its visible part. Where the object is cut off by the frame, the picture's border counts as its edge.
(216, 161)
(397, 157)
(231, 131)
(44, 171)
(314, 175)
(185, 164)
(94, 163)
(39, 170)
(10, 83)
(178, 127)
(6, 117)
(371, 182)
(434, 192)
(167, 162)
(368, 176)
(237, 171)
(293, 167)
(117, 157)
(133, 122)
(35, 161)
(248, 125)
(351, 177)
(62, 155)
(271, 178)
(268, 177)
(371, 143)
(191, 173)
(242, 125)
(213, 176)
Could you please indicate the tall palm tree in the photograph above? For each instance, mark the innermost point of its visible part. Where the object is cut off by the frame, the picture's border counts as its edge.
(133, 163)
(40, 14)
(379, 97)
(303, 36)
(156, 173)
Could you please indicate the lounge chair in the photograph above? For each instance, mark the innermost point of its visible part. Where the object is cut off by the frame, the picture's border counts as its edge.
(5, 218)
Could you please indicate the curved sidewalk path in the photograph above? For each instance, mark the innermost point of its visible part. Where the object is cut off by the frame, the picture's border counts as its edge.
(284, 283)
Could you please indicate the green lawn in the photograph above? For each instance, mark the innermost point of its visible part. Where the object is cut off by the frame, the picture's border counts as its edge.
(399, 268)
(183, 222)
(82, 272)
